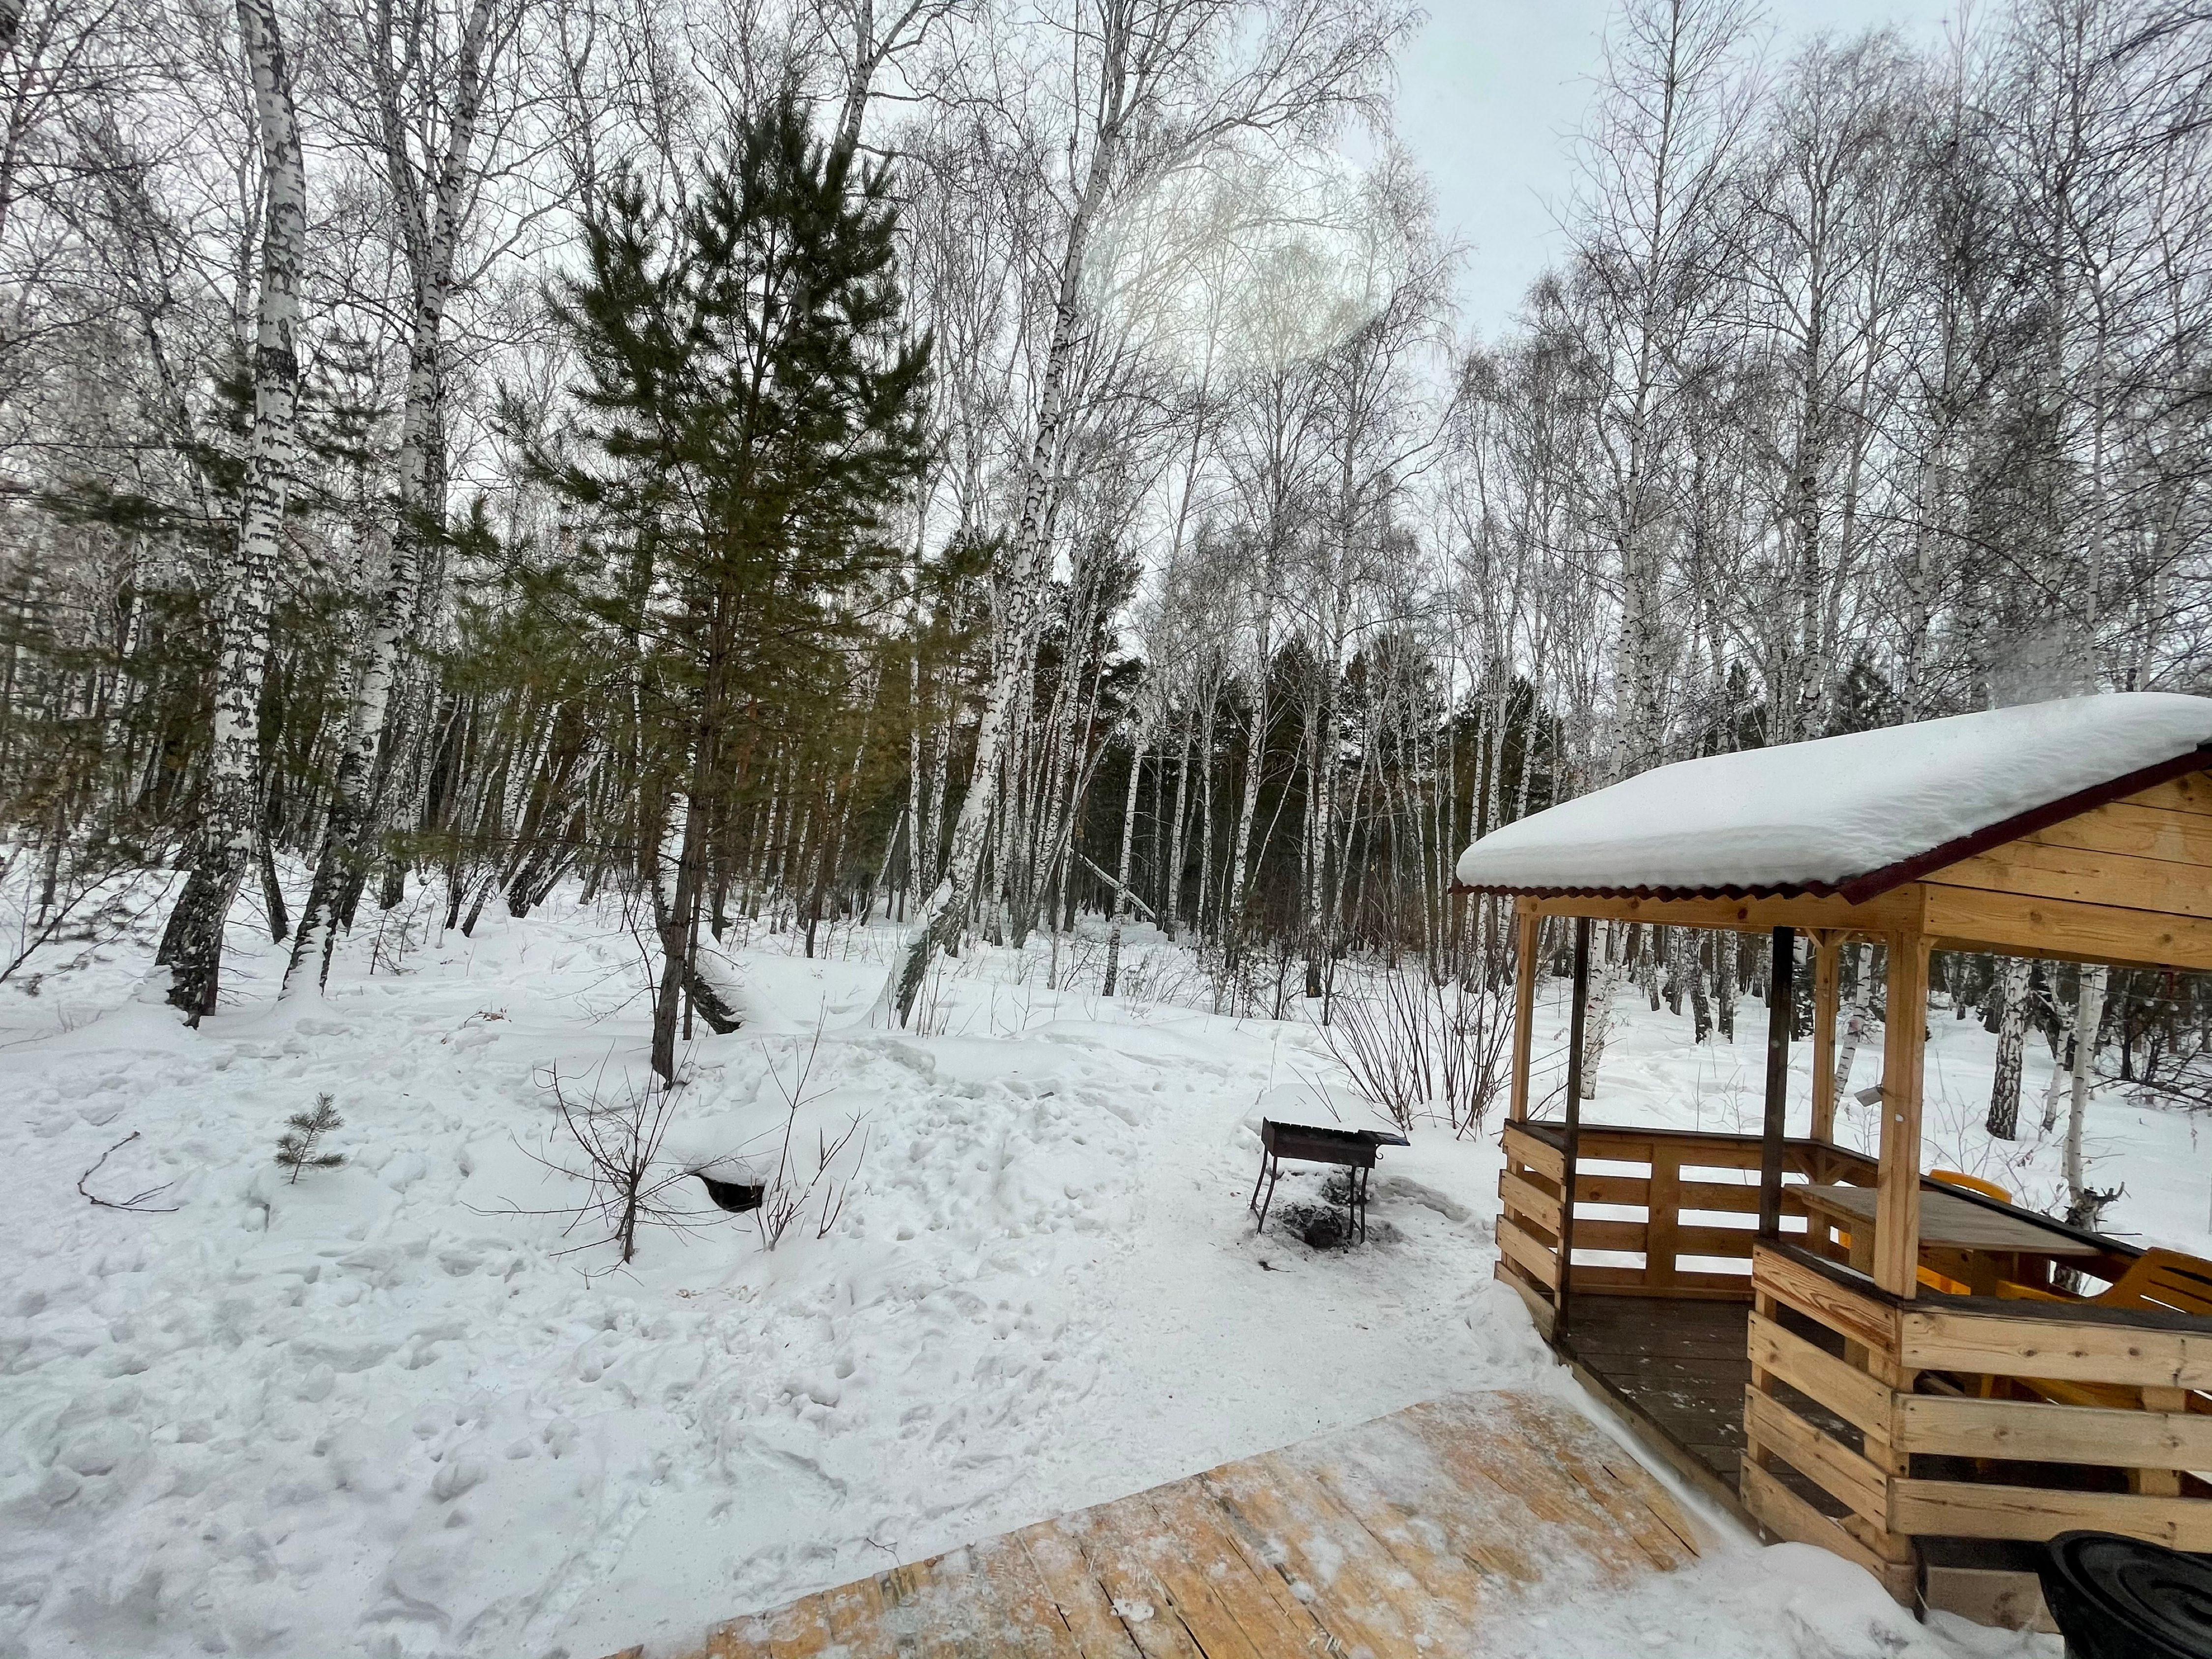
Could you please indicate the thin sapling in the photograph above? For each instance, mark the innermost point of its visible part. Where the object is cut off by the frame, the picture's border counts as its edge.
(295, 1147)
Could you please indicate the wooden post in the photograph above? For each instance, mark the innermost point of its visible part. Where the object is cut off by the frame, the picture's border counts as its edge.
(1528, 926)
(1571, 1139)
(1897, 1214)
(1780, 1011)
(1827, 957)
(1662, 1217)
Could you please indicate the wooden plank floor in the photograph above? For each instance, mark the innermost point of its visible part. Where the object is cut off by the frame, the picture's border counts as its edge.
(1393, 1539)
(1684, 1365)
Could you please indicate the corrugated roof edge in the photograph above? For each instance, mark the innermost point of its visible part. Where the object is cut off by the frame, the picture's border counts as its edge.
(1859, 889)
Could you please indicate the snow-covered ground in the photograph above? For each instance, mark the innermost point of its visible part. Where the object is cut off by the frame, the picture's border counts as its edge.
(391, 1409)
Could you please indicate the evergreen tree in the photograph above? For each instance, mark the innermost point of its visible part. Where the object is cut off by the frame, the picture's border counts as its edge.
(303, 1132)
(753, 406)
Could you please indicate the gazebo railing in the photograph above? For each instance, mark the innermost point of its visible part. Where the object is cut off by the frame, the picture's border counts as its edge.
(1947, 1428)
(1676, 1199)
(1933, 1416)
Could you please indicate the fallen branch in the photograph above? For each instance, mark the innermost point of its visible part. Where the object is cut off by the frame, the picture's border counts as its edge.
(1118, 887)
(136, 1203)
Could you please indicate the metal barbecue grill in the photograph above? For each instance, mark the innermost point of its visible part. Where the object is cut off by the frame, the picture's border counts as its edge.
(1353, 1150)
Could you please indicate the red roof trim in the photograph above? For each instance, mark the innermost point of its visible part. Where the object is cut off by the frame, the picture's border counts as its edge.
(1857, 890)
(1817, 889)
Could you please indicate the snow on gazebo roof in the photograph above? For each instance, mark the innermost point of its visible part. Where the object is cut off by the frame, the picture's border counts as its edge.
(1857, 814)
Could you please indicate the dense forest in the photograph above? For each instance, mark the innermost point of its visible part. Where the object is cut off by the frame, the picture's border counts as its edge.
(971, 463)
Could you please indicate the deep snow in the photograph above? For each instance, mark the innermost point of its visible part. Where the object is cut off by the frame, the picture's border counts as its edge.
(388, 1410)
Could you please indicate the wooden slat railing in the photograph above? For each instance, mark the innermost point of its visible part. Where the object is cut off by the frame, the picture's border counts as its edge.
(1860, 1387)
(1675, 1185)
(1916, 1417)
(1941, 1450)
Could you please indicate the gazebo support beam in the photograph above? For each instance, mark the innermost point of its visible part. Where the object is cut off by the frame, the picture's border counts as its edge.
(1781, 998)
(1528, 928)
(1827, 959)
(1887, 912)
(1905, 1033)
(1572, 1134)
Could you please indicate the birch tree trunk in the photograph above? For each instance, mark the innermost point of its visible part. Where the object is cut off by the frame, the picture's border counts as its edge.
(1256, 756)
(431, 231)
(1121, 870)
(2012, 1036)
(1171, 887)
(1597, 1018)
(1207, 911)
(192, 945)
(1021, 597)
(2089, 1014)
(1693, 962)
(1854, 1020)
(2062, 1061)
(1321, 825)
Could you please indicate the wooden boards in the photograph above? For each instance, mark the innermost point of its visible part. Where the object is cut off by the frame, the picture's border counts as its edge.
(1398, 1538)
(2072, 1350)
(2122, 883)
(1968, 918)
(1891, 912)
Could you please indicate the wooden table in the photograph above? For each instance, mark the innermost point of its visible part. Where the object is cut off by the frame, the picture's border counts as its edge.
(1992, 1242)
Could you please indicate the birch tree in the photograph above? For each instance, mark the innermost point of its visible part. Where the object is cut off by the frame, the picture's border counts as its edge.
(2003, 1120)
(192, 946)
(1161, 85)
(429, 196)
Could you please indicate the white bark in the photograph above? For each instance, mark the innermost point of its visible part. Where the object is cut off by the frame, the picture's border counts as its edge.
(1021, 593)
(2003, 1121)
(230, 815)
(1171, 893)
(1855, 1021)
(429, 210)
(2089, 1014)
(1598, 1016)
(1121, 879)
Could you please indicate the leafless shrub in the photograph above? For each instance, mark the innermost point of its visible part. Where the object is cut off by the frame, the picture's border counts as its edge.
(628, 1188)
(1473, 1063)
(1413, 1044)
(1163, 974)
(932, 1009)
(89, 898)
(787, 1195)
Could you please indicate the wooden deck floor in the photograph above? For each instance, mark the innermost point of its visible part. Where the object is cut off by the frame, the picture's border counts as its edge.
(1683, 1364)
(1394, 1539)
(1681, 1367)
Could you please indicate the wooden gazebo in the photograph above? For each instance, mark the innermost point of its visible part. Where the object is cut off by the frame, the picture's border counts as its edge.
(1853, 1354)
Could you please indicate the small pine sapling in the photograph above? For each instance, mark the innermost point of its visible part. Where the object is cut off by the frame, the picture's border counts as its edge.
(295, 1147)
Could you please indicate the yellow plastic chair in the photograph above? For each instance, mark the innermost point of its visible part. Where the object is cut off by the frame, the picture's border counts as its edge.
(2165, 1280)
(1928, 1276)
(1973, 1184)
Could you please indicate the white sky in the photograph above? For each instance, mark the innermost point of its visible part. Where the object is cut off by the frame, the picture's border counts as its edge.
(1490, 91)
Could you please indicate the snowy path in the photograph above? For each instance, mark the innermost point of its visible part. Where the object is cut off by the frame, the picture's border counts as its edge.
(379, 1411)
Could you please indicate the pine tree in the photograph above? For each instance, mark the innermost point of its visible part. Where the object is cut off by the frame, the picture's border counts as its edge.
(295, 1147)
(752, 407)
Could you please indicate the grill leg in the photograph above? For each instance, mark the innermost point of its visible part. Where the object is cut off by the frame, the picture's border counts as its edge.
(1359, 1200)
(1252, 1204)
(1270, 1199)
